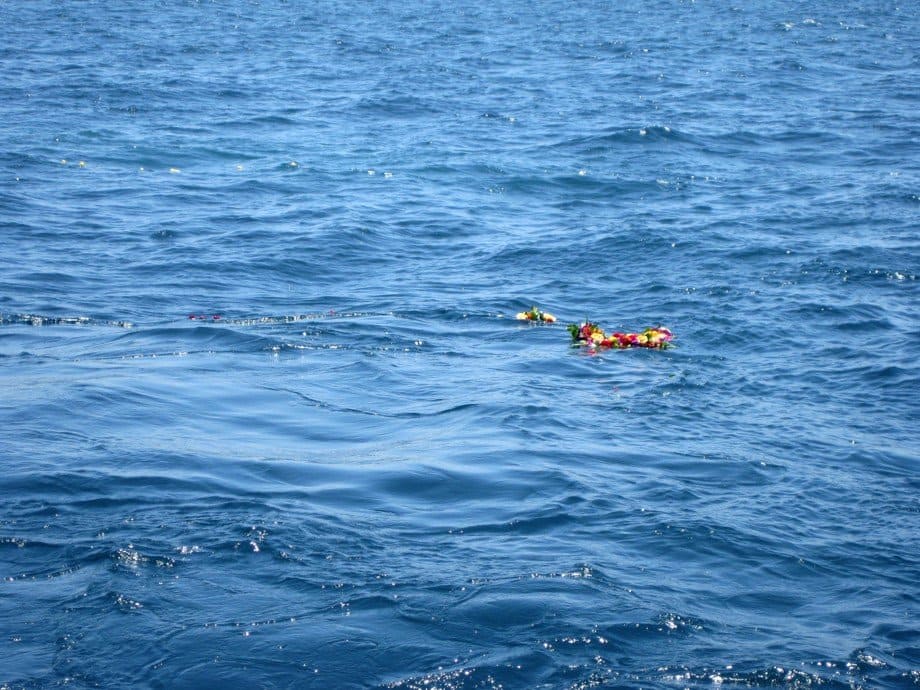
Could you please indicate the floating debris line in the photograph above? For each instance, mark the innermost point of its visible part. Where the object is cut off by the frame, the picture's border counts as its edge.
(587, 333)
(38, 320)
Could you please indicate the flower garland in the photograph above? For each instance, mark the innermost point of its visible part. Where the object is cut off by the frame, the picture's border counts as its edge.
(536, 315)
(592, 335)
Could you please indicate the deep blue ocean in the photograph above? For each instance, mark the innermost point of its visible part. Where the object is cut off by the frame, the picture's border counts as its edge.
(353, 468)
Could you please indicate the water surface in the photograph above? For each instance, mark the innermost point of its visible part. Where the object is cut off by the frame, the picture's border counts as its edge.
(353, 468)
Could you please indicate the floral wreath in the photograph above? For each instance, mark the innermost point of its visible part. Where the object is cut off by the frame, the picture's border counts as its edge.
(592, 335)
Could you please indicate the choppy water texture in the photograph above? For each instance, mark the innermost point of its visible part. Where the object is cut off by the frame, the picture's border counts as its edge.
(365, 473)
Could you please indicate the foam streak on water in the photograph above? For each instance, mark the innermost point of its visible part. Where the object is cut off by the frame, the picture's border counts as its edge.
(267, 419)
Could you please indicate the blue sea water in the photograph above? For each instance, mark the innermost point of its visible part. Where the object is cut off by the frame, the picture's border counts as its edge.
(354, 468)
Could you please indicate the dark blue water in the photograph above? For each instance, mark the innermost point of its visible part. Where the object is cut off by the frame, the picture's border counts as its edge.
(366, 473)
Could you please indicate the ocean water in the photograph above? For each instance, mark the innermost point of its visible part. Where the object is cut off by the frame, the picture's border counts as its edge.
(353, 468)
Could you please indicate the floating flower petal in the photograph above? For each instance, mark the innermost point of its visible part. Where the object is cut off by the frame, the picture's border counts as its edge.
(535, 315)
